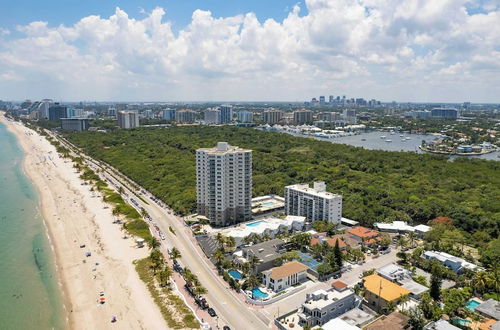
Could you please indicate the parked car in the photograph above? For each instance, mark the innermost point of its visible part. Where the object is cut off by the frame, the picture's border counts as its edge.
(226, 328)
(211, 312)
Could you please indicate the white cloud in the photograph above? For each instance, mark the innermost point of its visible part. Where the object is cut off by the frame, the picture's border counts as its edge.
(385, 49)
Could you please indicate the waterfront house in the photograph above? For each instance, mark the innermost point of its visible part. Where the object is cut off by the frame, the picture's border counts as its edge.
(282, 277)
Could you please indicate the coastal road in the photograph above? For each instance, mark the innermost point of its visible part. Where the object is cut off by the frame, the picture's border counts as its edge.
(231, 310)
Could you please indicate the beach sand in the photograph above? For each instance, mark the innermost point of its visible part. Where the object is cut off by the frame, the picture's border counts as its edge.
(74, 216)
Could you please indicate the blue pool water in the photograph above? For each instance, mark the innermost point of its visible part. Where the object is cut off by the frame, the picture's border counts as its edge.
(253, 224)
(308, 261)
(472, 304)
(259, 294)
(235, 274)
(461, 321)
(268, 204)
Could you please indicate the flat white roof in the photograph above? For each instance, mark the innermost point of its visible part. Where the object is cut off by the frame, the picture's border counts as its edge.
(304, 187)
(422, 228)
(349, 221)
(337, 324)
(396, 225)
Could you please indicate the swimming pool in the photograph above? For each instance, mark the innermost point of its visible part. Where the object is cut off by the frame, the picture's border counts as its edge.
(256, 293)
(254, 224)
(268, 204)
(461, 321)
(235, 274)
(472, 304)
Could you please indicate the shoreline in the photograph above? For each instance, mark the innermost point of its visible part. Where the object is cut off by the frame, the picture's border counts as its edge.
(73, 215)
(457, 153)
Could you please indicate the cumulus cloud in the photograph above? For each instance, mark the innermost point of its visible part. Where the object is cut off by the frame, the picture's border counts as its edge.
(384, 49)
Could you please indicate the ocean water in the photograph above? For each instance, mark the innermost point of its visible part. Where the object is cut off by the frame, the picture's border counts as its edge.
(30, 297)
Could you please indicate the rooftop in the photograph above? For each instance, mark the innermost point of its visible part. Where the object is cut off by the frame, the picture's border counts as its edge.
(414, 287)
(265, 251)
(222, 148)
(339, 285)
(357, 317)
(338, 323)
(393, 321)
(491, 308)
(394, 272)
(321, 238)
(363, 232)
(287, 269)
(396, 225)
(322, 298)
(443, 257)
(388, 290)
(440, 325)
(318, 189)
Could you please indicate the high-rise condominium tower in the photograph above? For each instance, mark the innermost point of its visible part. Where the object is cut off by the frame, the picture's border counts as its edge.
(224, 184)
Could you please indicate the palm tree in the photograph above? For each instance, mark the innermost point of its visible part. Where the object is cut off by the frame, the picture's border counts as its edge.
(157, 260)
(482, 281)
(120, 190)
(200, 290)
(220, 240)
(219, 256)
(253, 281)
(245, 268)
(254, 260)
(175, 253)
(153, 243)
(230, 242)
(164, 276)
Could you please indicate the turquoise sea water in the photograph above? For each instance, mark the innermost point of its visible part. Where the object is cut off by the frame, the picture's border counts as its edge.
(29, 293)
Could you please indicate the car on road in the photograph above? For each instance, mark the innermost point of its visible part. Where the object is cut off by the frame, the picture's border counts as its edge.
(226, 328)
(211, 312)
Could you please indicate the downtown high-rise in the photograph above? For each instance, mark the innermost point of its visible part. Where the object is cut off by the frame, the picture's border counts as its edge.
(224, 184)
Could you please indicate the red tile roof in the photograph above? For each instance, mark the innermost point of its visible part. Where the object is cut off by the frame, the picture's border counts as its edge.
(363, 232)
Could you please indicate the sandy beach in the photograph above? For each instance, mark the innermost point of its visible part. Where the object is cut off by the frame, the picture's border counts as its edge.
(76, 216)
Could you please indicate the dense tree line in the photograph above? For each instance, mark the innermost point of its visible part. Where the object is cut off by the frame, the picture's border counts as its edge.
(376, 185)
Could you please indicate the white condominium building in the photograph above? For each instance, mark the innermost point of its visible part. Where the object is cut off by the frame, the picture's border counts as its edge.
(224, 184)
(128, 119)
(313, 203)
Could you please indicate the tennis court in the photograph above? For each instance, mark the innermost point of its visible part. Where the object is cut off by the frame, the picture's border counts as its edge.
(309, 261)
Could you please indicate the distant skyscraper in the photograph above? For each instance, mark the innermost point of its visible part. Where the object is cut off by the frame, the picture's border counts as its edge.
(212, 116)
(302, 117)
(43, 108)
(128, 119)
(331, 99)
(185, 116)
(112, 112)
(245, 116)
(313, 203)
(224, 184)
(272, 116)
(57, 111)
(168, 114)
(226, 114)
(321, 100)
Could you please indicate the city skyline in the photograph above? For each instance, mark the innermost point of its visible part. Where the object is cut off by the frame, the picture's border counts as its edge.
(402, 51)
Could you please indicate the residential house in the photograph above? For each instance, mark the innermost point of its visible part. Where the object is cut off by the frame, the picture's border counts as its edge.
(393, 321)
(364, 235)
(267, 253)
(456, 264)
(440, 325)
(380, 292)
(321, 306)
(282, 277)
(322, 238)
(402, 276)
(490, 308)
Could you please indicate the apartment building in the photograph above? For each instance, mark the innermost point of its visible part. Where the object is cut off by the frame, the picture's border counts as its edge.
(74, 124)
(272, 116)
(127, 119)
(313, 203)
(185, 116)
(224, 184)
(302, 117)
(212, 116)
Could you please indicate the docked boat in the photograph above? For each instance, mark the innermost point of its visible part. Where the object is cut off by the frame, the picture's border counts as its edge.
(383, 137)
(363, 139)
(388, 140)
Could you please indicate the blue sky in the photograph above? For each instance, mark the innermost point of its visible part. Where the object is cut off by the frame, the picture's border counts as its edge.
(250, 50)
(21, 12)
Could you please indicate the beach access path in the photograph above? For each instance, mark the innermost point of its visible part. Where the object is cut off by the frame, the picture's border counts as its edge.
(75, 216)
